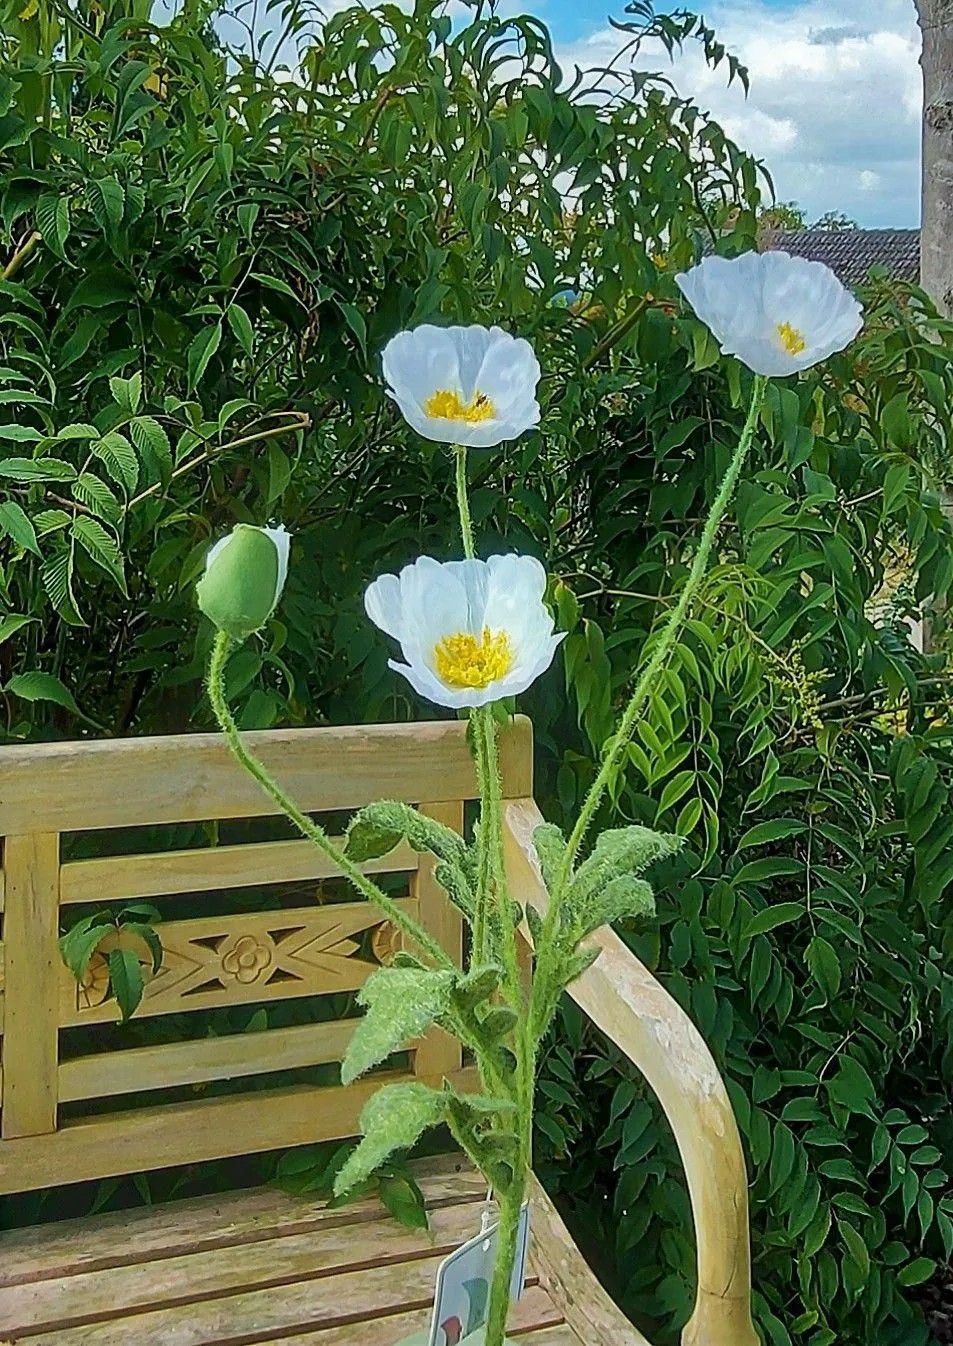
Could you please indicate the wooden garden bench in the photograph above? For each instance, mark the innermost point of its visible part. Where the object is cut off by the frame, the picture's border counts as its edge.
(260, 1266)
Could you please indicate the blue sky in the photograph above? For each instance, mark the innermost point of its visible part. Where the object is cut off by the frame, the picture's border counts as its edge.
(834, 108)
(574, 19)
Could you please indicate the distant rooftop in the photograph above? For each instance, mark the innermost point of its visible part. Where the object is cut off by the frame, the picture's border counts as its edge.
(850, 253)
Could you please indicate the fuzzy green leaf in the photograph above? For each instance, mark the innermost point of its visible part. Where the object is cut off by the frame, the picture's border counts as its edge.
(551, 848)
(393, 1119)
(401, 1004)
(455, 884)
(624, 850)
(578, 963)
(369, 840)
(535, 923)
(498, 1023)
(478, 985)
(621, 898)
(378, 828)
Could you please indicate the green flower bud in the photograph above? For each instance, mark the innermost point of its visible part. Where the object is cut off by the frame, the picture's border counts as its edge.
(244, 576)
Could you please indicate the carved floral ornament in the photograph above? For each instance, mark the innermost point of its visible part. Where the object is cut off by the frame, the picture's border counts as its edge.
(302, 951)
(245, 959)
(386, 942)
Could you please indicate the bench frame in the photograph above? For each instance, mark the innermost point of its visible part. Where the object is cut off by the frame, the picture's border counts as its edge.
(48, 790)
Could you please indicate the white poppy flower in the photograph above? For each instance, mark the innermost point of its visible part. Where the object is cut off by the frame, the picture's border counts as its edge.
(473, 386)
(471, 631)
(777, 313)
(244, 577)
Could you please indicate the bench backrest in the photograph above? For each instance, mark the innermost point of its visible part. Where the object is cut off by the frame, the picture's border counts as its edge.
(79, 1098)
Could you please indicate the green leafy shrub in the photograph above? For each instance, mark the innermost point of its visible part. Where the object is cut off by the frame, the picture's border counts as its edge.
(116, 946)
(803, 744)
(201, 264)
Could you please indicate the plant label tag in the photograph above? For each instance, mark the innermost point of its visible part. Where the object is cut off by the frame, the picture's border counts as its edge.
(462, 1295)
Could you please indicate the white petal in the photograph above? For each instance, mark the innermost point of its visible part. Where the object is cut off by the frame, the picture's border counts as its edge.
(544, 658)
(436, 604)
(282, 540)
(463, 360)
(472, 344)
(418, 363)
(434, 428)
(525, 674)
(724, 294)
(745, 300)
(382, 603)
(510, 372)
(429, 686)
(217, 548)
(488, 434)
(515, 602)
(765, 355)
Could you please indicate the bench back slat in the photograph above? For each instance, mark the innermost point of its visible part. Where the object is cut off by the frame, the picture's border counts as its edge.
(270, 955)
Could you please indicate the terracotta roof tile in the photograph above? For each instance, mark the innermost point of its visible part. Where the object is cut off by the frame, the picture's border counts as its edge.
(850, 253)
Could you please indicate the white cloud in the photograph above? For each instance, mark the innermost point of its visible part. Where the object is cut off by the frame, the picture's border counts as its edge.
(834, 108)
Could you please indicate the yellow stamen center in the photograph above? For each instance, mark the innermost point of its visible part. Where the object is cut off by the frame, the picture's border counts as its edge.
(445, 405)
(464, 660)
(791, 339)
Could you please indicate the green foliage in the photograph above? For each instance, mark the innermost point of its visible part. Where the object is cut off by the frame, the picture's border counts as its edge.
(400, 1004)
(397, 1115)
(377, 828)
(205, 258)
(125, 940)
(392, 1119)
(311, 1170)
(201, 264)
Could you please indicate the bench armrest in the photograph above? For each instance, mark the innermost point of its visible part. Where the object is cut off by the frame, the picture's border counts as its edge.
(625, 1001)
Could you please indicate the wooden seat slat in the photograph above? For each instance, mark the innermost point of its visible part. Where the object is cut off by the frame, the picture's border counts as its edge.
(118, 1292)
(151, 1234)
(244, 1317)
(386, 1331)
(254, 1268)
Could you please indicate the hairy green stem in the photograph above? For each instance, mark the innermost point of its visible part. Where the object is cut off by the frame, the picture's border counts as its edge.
(221, 651)
(481, 905)
(667, 637)
(494, 937)
(491, 820)
(463, 501)
(506, 1249)
(545, 995)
